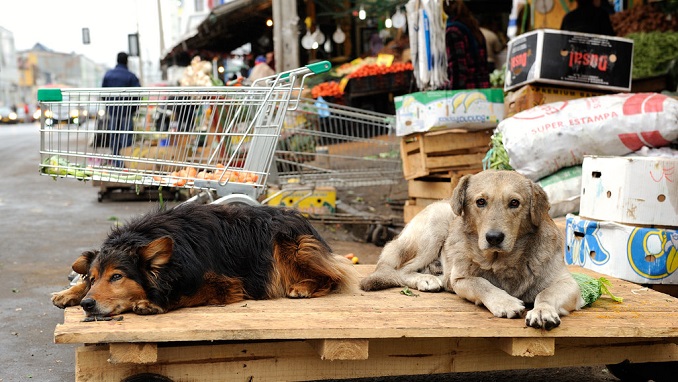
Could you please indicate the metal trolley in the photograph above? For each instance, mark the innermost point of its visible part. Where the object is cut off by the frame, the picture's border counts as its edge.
(220, 139)
(327, 144)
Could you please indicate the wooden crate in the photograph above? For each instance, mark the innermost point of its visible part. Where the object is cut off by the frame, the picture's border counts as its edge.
(424, 191)
(442, 152)
(366, 335)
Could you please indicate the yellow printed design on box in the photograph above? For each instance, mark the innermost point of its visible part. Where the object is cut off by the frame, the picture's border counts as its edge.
(317, 201)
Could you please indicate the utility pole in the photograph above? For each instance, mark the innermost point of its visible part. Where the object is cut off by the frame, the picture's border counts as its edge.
(285, 34)
(163, 68)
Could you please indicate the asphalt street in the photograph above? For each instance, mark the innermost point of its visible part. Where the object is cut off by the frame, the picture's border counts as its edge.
(45, 224)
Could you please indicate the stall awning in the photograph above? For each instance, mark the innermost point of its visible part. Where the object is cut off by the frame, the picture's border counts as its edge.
(227, 27)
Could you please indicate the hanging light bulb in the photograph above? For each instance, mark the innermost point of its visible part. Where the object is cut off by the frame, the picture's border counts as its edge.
(398, 19)
(339, 36)
(362, 14)
(388, 23)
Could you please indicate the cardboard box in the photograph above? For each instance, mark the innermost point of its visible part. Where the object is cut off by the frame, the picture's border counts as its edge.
(470, 110)
(318, 201)
(633, 253)
(446, 152)
(532, 95)
(147, 157)
(634, 190)
(569, 58)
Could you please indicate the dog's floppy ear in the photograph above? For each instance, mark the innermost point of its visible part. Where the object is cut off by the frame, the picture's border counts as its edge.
(459, 195)
(539, 204)
(82, 263)
(158, 252)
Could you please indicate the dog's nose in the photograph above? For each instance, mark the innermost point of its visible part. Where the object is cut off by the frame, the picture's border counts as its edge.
(88, 303)
(494, 237)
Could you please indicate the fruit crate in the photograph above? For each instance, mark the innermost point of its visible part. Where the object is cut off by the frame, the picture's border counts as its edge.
(443, 153)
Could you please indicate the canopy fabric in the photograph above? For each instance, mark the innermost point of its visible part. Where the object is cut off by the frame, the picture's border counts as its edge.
(227, 27)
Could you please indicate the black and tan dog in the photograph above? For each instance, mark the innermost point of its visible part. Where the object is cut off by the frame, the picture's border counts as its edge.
(492, 243)
(206, 254)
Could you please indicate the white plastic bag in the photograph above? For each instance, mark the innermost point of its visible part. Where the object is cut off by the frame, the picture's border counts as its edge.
(546, 138)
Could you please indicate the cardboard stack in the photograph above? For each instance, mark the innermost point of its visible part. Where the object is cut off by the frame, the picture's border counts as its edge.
(545, 66)
(628, 222)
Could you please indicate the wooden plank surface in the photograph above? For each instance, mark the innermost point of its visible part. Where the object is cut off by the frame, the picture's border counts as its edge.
(378, 315)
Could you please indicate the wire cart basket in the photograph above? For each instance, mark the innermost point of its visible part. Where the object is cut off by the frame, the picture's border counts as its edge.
(326, 144)
(210, 138)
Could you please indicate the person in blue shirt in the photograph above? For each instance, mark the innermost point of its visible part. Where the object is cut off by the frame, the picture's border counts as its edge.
(120, 117)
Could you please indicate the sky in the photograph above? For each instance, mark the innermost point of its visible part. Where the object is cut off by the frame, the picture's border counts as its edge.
(58, 24)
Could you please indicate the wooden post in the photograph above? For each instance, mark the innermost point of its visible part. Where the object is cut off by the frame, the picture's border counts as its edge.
(285, 35)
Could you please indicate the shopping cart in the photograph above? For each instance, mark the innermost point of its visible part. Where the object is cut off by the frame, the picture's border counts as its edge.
(324, 145)
(327, 144)
(219, 139)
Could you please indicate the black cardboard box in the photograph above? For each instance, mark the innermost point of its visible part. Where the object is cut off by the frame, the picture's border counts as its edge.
(569, 59)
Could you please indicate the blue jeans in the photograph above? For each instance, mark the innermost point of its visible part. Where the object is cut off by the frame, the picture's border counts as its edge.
(123, 124)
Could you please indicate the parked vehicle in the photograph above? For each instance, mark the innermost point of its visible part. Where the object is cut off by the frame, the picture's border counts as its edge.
(7, 115)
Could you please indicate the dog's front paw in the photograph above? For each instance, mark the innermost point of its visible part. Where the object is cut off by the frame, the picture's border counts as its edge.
(64, 299)
(145, 307)
(543, 316)
(429, 283)
(505, 306)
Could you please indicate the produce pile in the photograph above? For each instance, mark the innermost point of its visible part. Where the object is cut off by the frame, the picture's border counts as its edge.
(644, 18)
(331, 87)
(380, 70)
(199, 74)
(327, 89)
(653, 52)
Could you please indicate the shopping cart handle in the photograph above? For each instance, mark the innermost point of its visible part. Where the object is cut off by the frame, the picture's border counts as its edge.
(320, 67)
(316, 68)
(50, 95)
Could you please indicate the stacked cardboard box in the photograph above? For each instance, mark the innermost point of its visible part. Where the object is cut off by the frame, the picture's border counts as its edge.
(628, 223)
(546, 66)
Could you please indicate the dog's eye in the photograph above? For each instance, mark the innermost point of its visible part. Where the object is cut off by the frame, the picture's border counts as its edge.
(481, 202)
(514, 203)
(116, 277)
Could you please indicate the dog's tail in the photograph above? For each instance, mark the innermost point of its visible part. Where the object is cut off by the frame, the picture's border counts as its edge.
(383, 277)
(386, 273)
(339, 270)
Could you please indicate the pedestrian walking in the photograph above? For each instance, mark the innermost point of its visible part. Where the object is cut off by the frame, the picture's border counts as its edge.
(120, 117)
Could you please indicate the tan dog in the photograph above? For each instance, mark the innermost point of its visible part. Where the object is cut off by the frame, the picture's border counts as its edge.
(492, 243)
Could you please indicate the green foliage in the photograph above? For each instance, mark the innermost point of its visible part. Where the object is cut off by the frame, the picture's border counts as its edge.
(653, 52)
(592, 288)
(496, 158)
(497, 77)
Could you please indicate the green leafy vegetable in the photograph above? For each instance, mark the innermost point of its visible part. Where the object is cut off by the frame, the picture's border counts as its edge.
(592, 288)
(408, 292)
(496, 158)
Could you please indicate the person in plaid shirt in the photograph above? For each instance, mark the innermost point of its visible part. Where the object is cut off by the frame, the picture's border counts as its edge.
(466, 53)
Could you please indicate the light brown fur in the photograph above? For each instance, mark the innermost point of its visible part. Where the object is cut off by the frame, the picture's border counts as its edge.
(497, 247)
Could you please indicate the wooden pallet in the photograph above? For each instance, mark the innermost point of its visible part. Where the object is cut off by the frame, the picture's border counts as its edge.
(365, 334)
(440, 152)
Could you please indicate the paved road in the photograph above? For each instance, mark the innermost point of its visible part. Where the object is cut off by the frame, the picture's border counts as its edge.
(46, 224)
